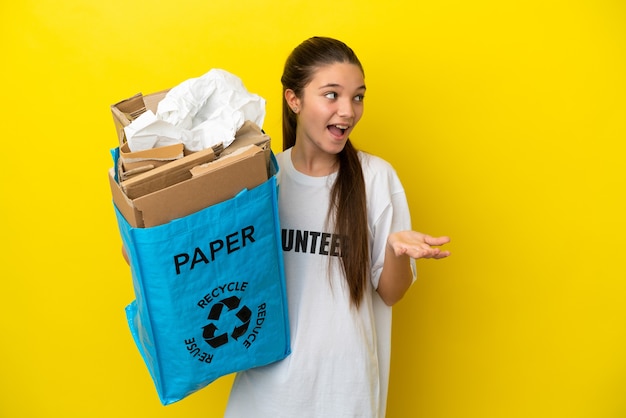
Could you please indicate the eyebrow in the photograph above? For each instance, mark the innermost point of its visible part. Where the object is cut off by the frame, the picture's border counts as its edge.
(339, 85)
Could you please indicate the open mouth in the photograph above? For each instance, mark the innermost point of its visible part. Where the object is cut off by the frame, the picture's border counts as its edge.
(338, 130)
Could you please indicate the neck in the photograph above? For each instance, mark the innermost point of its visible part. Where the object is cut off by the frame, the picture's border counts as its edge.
(314, 164)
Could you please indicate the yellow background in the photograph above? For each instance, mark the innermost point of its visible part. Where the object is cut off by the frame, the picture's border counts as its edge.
(505, 120)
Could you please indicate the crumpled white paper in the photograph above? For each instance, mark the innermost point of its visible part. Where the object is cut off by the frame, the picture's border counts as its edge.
(200, 112)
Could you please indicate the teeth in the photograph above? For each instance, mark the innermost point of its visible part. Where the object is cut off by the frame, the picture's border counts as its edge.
(342, 126)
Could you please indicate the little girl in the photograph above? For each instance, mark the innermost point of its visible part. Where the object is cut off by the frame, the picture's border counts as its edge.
(348, 248)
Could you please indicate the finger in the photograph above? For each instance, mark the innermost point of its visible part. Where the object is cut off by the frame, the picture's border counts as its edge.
(436, 240)
(422, 252)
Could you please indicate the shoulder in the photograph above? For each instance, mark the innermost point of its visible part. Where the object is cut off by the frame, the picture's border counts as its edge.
(377, 171)
(283, 160)
(374, 162)
(283, 156)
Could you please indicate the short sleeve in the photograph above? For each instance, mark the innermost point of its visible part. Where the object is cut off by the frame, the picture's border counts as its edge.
(388, 210)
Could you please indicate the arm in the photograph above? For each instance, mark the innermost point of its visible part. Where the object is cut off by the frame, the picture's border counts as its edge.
(396, 276)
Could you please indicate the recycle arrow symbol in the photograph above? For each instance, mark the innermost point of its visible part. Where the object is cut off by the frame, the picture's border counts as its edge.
(209, 336)
(244, 315)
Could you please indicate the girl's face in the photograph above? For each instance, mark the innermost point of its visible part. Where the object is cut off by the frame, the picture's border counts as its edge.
(330, 107)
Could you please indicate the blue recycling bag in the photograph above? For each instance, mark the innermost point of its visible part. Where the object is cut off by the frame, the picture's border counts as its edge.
(210, 292)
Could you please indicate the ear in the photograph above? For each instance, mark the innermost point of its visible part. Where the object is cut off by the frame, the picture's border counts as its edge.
(292, 100)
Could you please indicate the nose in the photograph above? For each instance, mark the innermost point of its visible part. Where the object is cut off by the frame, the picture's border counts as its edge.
(346, 109)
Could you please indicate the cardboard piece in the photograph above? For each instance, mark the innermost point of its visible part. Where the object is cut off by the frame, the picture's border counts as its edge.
(220, 181)
(132, 160)
(248, 134)
(165, 175)
(132, 163)
(158, 193)
(127, 110)
(224, 160)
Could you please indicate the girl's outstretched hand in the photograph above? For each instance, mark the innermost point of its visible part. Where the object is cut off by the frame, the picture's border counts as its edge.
(417, 245)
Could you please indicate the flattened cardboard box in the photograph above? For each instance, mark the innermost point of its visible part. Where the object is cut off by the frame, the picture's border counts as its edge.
(169, 191)
(146, 166)
(165, 175)
(133, 163)
(219, 181)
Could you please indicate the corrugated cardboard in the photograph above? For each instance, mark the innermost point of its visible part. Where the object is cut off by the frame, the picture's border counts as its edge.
(178, 170)
(248, 134)
(170, 191)
(165, 175)
(221, 180)
(134, 159)
(127, 110)
(232, 158)
(133, 163)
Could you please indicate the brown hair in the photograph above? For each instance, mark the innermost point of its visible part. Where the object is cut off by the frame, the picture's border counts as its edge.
(348, 204)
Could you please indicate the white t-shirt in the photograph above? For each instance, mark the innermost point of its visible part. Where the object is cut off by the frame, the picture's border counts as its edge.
(339, 365)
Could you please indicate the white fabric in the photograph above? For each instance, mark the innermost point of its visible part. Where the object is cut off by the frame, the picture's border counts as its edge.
(339, 366)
